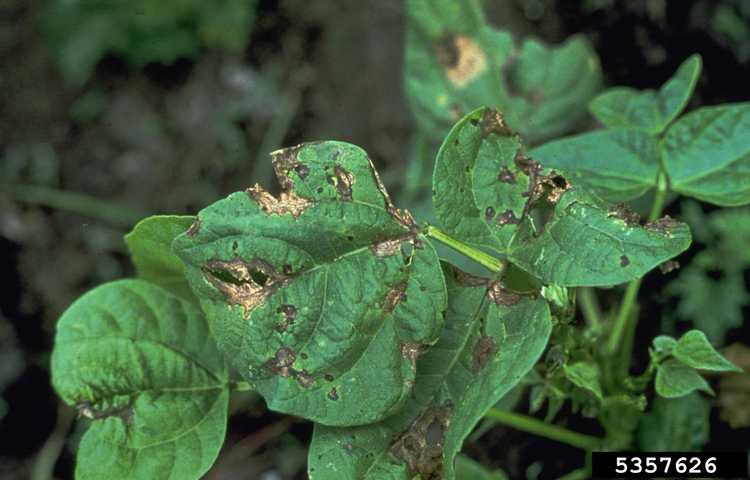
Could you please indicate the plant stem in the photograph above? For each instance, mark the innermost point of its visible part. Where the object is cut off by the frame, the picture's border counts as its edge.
(623, 327)
(590, 306)
(44, 462)
(74, 202)
(488, 261)
(538, 427)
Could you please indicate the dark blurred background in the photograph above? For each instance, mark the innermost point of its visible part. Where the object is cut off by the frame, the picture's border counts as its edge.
(97, 132)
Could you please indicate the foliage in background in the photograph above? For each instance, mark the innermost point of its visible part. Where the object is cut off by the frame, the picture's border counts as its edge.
(82, 32)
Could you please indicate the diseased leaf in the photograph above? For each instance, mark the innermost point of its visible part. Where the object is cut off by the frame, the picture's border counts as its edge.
(485, 349)
(142, 364)
(618, 165)
(707, 154)
(468, 469)
(675, 379)
(675, 425)
(479, 181)
(455, 63)
(584, 375)
(649, 110)
(150, 246)
(694, 349)
(585, 243)
(321, 293)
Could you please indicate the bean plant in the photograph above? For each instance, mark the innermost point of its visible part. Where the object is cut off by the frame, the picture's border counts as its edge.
(333, 304)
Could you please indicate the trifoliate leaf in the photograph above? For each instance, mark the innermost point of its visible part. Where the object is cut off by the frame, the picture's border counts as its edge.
(675, 379)
(675, 425)
(150, 246)
(618, 165)
(694, 349)
(649, 110)
(321, 293)
(706, 154)
(492, 338)
(141, 363)
(584, 375)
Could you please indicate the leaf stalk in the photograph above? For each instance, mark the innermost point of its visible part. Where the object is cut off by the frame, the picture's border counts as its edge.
(488, 261)
(538, 427)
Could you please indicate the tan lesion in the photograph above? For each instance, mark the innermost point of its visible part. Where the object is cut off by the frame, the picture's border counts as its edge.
(235, 280)
(462, 58)
(287, 203)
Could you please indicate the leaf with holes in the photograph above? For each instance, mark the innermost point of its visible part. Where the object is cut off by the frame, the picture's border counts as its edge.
(142, 364)
(576, 240)
(618, 164)
(455, 62)
(150, 246)
(322, 292)
(492, 338)
(707, 154)
(648, 110)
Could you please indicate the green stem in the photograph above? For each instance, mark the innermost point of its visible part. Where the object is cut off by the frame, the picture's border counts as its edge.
(538, 427)
(589, 306)
(488, 261)
(74, 202)
(624, 328)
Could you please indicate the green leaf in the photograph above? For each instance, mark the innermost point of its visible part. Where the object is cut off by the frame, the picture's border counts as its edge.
(141, 363)
(675, 379)
(619, 415)
(707, 154)
(150, 246)
(694, 349)
(584, 243)
(468, 469)
(664, 345)
(584, 375)
(452, 62)
(675, 425)
(618, 165)
(485, 349)
(327, 288)
(649, 110)
(478, 186)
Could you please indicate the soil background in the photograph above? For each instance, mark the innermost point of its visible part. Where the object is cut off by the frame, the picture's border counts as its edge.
(174, 138)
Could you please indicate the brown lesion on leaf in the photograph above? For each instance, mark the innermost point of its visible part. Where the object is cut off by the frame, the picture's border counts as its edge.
(624, 213)
(333, 394)
(462, 58)
(484, 350)
(387, 248)
(493, 122)
(624, 261)
(411, 351)
(284, 161)
(195, 228)
(287, 203)
(506, 175)
(395, 295)
(343, 180)
(421, 446)
(669, 266)
(467, 279)
(663, 225)
(247, 284)
(507, 218)
(282, 364)
(498, 293)
(404, 217)
(289, 313)
(87, 410)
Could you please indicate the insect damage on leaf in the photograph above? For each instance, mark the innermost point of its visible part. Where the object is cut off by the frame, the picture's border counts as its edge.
(342, 180)
(285, 160)
(247, 284)
(288, 201)
(462, 58)
(421, 447)
(493, 122)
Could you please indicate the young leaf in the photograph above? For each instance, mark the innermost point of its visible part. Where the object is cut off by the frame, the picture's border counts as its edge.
(694, 349)
(468, 469)
(706, 154)
(584, 243)
(675, 379)
(675, 425)
(150, 246)
(589, 161)
(492, 338)
(452, 62)
(321, 293)
(664, 345)
(649, 110)
(584, 375)
(478, 184)
(141, 363)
